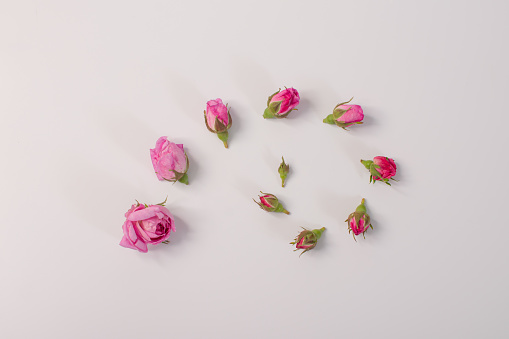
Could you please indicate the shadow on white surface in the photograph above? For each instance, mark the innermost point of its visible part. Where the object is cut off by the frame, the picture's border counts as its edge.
(244, 71)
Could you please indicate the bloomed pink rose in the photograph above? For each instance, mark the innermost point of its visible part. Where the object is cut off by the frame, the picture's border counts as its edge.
(146, 225)
(216, 109)
(289, 98)
(168, 157)
(353, 114)
(387, 167)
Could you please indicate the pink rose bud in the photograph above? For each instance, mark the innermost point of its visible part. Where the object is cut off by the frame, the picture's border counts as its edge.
(269, 202)
(283, 171)
(358, 221)
(281, 103)
(345, 115)
(218, 119)
(170, 161)
(380, 168)
(306, 240)
(147, 224)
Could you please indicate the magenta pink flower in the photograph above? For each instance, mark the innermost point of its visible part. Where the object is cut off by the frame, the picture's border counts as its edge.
(146, 224)
(218, 119)
(307, 240)
(345, 115)
(281, 103)
(359, 221)
(381, 169)
(270, 203)
(170, 161)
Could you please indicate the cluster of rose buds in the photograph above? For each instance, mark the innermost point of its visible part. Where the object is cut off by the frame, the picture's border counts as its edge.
(152, 224)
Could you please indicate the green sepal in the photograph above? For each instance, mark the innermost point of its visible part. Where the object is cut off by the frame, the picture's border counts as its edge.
(223, 136)
(274, 107)
(184, 179)
(330, 119)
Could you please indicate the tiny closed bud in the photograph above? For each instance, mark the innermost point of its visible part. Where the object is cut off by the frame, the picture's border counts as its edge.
(345, 115)
(270, 203)
(218, 119)
(283, 171)
(380, 169)
(307, 240)
(281, 103)
(359, 221)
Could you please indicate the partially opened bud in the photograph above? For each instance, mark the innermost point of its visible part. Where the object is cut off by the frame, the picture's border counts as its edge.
(170, 161)
(380, 169)
(283, 171)
(306, 240)
(270, 203)
(358, 221)
(218, 119)
(281, 103)
(345, 115)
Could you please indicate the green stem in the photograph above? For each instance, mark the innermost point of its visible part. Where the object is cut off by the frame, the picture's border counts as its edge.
(184, 179)
(268, 114)
(281, 209)
(223, 136)
(329, 119)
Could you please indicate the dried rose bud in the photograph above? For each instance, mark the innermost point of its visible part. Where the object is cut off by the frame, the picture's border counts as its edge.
(381, 169)
(270, 203)
(306, 240)
(283, 171)
(281, 103)
(345, 115)
(218, 119)
(170, 161)
(358, 221)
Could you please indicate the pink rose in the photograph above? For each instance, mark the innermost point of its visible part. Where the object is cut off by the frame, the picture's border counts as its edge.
(170, 161)
(345, 115)
(380, 168)
(359, 221)
(144, 225)
(281, 103)
(270, 203)
(218, 119)
(307, 240)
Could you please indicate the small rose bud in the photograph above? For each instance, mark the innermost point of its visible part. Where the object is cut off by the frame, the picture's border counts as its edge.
(170, 161)
(345, 115)
(270, 203)
(283, 171)
(358, 221)
(381, 169)
(281, 103)
(218, 119)
(306, 240)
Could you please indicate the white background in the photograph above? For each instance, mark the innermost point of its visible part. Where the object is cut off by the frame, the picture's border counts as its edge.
(86, 88)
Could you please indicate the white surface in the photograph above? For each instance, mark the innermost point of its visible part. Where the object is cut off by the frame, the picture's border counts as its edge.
(88, 87)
